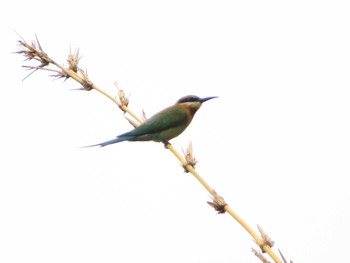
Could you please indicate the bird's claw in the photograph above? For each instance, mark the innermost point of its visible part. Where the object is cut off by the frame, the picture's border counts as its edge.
(166, 143)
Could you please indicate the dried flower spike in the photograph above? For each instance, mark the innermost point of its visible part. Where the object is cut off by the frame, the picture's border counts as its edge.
(131, 121)
(189, 157)
(218, 203)
(33, 51)
(86, 82)
(73, 60)
(121, 94)
(265, 238)
(260, 256)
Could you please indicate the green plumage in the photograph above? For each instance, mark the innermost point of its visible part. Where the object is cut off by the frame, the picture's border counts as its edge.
(162, 126)
(165, 125)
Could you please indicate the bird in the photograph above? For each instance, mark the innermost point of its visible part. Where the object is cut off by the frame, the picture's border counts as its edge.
(164, 125)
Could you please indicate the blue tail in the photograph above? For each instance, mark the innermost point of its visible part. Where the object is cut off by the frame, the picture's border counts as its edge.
(103, 144)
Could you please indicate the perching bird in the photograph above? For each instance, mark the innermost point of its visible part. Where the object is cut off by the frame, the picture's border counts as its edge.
(165, 125)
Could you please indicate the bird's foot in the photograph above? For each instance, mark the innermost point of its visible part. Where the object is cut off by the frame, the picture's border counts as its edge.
(166, 143)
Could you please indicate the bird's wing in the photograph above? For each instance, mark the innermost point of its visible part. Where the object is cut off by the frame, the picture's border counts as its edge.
(166, 119)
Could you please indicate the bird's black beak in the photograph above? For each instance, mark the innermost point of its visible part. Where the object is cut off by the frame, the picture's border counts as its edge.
(207, 98)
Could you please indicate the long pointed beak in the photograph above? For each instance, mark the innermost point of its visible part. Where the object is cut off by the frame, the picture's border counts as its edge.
(207, 98)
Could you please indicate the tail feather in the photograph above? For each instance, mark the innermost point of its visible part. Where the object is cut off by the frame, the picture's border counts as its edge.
(103, 144)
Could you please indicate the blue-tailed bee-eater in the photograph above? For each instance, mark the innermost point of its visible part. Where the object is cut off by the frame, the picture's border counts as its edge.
(164, 125)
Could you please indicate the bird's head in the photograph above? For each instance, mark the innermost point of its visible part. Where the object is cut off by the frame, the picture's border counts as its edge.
(192, 102)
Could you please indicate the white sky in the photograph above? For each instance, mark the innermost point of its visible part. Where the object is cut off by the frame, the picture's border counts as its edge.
(275, 144)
